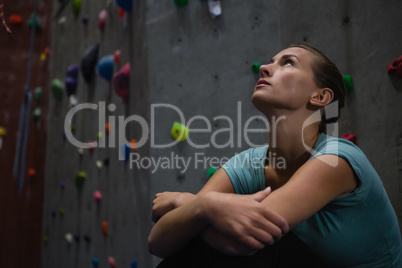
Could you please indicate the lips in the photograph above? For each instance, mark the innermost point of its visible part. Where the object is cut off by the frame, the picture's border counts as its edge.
(262, 83)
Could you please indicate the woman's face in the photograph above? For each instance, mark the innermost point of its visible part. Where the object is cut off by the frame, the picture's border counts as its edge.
(287, 81)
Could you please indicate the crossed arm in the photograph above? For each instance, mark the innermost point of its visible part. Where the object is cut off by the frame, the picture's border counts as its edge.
(243, 224)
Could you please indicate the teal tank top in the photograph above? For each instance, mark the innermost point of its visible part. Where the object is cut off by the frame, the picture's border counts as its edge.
(357, 230)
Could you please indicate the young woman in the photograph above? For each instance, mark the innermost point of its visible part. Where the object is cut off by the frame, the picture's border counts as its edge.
(326, 194)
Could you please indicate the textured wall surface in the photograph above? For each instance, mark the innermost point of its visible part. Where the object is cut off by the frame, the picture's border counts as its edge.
(21, 198)
(184, 63)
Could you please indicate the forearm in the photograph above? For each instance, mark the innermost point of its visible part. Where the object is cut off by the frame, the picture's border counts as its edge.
(225, 244)
(176, 229)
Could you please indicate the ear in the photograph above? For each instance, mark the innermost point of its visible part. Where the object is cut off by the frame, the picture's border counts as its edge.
(321, 97)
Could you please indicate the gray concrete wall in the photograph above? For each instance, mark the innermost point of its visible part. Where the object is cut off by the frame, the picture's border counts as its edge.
(181, 57)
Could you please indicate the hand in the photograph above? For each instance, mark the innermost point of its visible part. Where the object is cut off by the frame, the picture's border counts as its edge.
(243, 218)
(167, 201)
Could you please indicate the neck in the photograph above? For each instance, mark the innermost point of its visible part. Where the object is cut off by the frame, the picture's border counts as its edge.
(289, 141)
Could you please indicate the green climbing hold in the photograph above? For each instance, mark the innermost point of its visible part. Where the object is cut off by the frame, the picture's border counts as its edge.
(211, 171)
(76, 6)
(57, 89)
(80, 179)
(180, 3)
(256, 67)
(347, 79)
(36, 114)
(179, 131)
(38, 94)
(34, 22)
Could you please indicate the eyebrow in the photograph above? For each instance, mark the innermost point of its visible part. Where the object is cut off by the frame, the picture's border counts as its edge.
(285, 56)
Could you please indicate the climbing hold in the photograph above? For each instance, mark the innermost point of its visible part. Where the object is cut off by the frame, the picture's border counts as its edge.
(105, 67)
(91, 146)
(69, 238)
(15, 19)
(88, 63)
(125, 4)
(126, 152)
(107, 128)
(72, 71)
(71, 83)
(102, 18)
(396, 66)
(180, 3)
(112, 262)
(256, 67)
(215, 8)
(80, 151)
(53, 213)
(348, 136)
(106, 162)
(57, 89)
(76, 6)
(347, 79)
(2, 132)
(87, 238)
(71, 88)
(38, 94)
(121, 83)
(45, 238)
(80, 179)
(133, 145)
(99, 135)
(77, 238)
(2, 135)
(95, 262)
(62, 185)
(116, 57)
(97, 196)
(61, 211)
(31, 172)
(99, 164)
(36, 114)
(134, 264)
(121, 12)
(62, 20)
(179, 131)
(105, 228)
(85, 20)
(34, 23)
(42, 56)
(211, 171)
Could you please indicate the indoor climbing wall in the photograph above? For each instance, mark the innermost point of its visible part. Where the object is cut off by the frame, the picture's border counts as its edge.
(94, 204)
(182, 106)
(24, 71)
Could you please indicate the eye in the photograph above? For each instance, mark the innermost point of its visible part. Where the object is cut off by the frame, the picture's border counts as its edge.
(289, 62)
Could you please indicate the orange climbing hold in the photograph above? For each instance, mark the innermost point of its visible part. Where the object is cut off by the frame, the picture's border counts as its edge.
(105, 227)
(15, 19)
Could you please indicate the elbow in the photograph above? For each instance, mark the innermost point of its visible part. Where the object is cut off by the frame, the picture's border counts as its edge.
(154, 248)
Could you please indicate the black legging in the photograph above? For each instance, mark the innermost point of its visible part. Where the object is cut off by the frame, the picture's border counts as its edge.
(289, 252)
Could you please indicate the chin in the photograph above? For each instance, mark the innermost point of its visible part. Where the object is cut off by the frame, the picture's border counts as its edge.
(259, 103)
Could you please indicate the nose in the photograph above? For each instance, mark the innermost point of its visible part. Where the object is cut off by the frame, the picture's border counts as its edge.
(265, 70)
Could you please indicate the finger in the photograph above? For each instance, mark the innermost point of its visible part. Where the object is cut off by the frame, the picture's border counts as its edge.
(261, 195)
(266, 232)
(276, 219)
(155, 217)
(251, 242)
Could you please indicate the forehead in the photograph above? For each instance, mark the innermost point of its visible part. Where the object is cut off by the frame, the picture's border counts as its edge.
(304, 56)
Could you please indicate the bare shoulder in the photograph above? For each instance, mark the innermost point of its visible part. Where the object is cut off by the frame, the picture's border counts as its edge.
(312, 186)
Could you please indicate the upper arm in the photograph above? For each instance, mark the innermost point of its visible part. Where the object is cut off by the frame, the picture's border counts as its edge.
(219, 182)
(313, 186)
